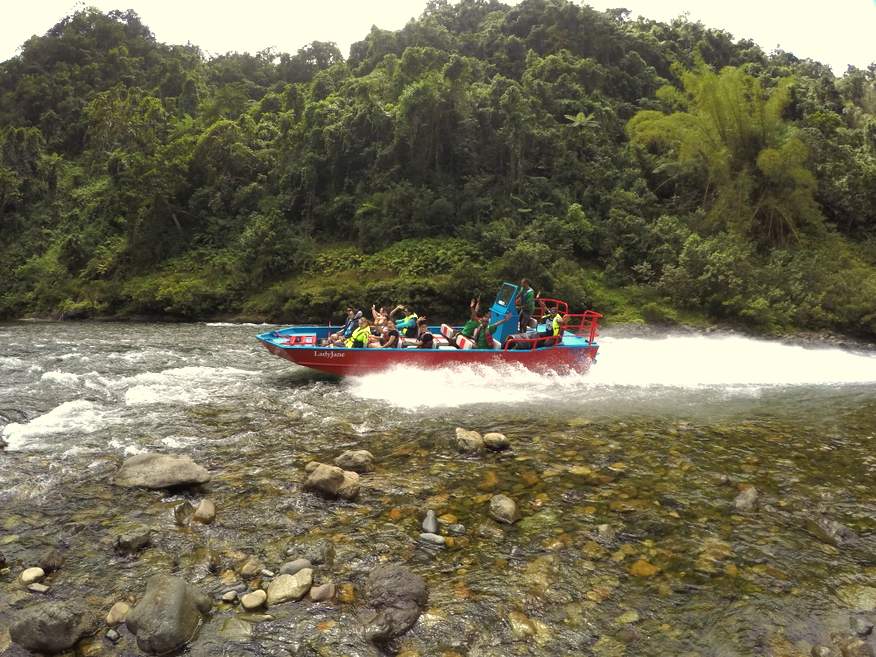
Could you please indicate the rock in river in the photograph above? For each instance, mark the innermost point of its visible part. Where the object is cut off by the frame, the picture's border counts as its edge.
(51, 627)
(397, 596)
(205, 513)
(149, 470)
(168, 615)
(357, 460)
(133, 541)
(292, 567)
(468, 441)
(503, 509)
(290, 587)
(430, 522)
(31, 575)
(746, 500)
(332, 481)
(254, 600)
(496, 441)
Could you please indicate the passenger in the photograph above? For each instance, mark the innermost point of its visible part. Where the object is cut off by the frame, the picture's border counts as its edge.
(425, 340)
(473, 322)
(407, 325)
(526, 299)
(389, 338)
(360, 337)
(558, 325)
(348, 327)
(483, 335)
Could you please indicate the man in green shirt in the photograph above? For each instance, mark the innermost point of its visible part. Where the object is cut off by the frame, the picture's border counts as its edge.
(483, 334)
(469, 327)
(527, 304)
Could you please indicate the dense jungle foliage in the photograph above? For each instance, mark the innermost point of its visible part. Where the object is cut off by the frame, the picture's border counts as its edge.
(656, 172)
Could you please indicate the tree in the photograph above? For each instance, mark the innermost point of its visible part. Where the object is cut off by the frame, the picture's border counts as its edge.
(756, 181)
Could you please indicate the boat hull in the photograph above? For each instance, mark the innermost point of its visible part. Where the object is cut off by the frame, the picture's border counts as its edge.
(356, 362)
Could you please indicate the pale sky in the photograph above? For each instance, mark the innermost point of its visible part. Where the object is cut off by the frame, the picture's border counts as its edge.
(836, 33)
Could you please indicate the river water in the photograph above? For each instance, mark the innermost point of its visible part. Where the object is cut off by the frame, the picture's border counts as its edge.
(625, 477)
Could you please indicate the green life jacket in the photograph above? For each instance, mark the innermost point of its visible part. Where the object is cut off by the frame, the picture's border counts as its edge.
(359, 339)
(528, 301)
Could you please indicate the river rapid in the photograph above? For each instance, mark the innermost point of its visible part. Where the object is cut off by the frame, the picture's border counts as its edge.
(629, 543)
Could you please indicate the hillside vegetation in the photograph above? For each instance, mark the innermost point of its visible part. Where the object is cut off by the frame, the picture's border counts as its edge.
(656, 172)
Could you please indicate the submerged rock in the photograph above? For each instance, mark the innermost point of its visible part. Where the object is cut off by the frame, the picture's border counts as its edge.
(503, 509)
(325, 479)
(293, 567)
(746, 500)
(182, 513)
(397, 596)
(432, 538)
(133, 541)
(830, 531)
(349, 489)
(51, 627)
(357, 460)
(151, 470)
(468, 441)
(168, 615)
(52, 560)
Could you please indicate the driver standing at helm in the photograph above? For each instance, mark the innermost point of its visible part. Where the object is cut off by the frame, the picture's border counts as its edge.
(526, 299)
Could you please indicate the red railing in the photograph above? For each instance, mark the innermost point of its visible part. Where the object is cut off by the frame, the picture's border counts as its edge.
(584, 324)
(545, 305)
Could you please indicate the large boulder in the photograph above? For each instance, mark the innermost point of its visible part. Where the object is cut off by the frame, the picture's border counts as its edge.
(468, 441)
(150, 470)
(51, 627)
(357, 460)
(168, 615)
(397, 596)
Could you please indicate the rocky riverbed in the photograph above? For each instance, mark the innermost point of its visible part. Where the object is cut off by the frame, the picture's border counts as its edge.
(175, 488)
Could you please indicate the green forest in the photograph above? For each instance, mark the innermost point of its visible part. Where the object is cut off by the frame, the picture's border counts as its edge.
(658, 173)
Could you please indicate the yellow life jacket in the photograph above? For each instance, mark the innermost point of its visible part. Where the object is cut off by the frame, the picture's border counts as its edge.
(556, 324)
(360, 336)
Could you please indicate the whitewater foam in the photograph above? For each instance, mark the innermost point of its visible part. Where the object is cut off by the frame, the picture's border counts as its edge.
(727, 366)
(77, 416)
(182, 385)
(61, 378)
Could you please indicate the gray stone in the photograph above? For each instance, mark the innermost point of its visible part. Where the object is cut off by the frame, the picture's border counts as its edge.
(496, 441)
(150, 470)
(468, 441)
(113, 636)
(267, 573)
(357, 460)
(293, 567)
(250, 568)
(205, 513)
(503, 509)
(455, 529)
(746, 500)
(430, 522)
(37, 588)
(434, 539)
(133, 541)
(51, 627)
(861, 625)
(397, 596)
(182, 513)
(318, 554)
(254, 600)
(349, 489)
(323, 592)
(290, 587)
(236, 630)
(168, 615)
(229, 596)
(325, 479)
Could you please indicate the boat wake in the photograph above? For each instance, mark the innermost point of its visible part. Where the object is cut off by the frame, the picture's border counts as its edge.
(631, 368)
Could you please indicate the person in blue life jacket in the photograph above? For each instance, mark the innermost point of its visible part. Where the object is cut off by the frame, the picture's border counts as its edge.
(347, 329)
(526, 300)
(483, 334)
(407, 325)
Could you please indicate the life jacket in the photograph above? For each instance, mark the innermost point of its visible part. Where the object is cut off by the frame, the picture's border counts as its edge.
(407, 326)
(555, 324)
(360, 335)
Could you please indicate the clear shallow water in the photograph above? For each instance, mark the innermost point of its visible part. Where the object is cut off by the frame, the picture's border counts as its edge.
(654, 443)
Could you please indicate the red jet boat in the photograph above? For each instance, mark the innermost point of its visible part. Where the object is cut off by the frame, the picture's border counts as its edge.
(536, 349)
